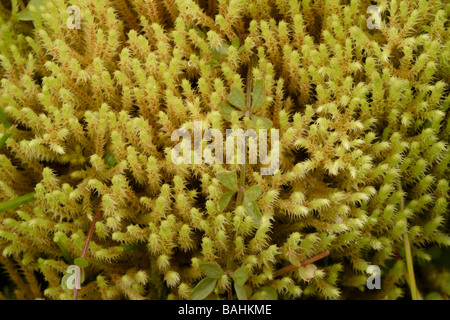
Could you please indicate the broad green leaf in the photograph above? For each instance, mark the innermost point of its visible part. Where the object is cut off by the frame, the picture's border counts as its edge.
(237, 98)
(203, 289)
(226, 110)
(240, 276)
(262, 123)
(240, 292)
(258, 97)
(81, 262)
(212, 64)
(307, 272)
(220, 52)
(228, 179)
(211, 270)
(253, 192)
(225, 200)
(294, 260)
(10, 204)
(26, 15)
(235, 43)
(252, 210)
(110, 160)
(269, 293)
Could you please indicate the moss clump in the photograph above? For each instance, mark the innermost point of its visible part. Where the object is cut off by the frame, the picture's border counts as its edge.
(87, 122)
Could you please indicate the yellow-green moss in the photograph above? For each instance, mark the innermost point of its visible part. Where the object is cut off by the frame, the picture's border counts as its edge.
(88, 115)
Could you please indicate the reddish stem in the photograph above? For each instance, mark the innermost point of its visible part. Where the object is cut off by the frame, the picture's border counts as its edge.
(303, 263)
(87, 242)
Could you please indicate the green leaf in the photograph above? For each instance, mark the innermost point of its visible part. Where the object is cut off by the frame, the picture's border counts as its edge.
(64, 250)
(261, 122)
(203, 289)
(4, 119)
(212, 64)
(200, 33)
(307, 272)
(252, 210)
(110, 160)
(3, 139)
(235, 42)
(240, 292)
(228, 179)
(26, 15)
(220, 52)
(253, 192)
(10, 204)
(258, 97)
(240, 276)
(81, 262)
(226, 110)
(225, 200)
(133, 246)
(434, 295)
(237, 98)
(269, 293)
(212, 270)
(294, 260)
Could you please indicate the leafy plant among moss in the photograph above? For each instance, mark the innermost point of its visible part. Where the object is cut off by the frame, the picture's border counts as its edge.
(87, 115)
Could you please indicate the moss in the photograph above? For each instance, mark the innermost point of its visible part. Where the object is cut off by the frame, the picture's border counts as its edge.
(86, 136)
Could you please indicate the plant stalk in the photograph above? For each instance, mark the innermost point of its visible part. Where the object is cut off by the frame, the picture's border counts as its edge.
(240, 195)
(87, 242)
(410, 268)
(409, 260)
(303, 263)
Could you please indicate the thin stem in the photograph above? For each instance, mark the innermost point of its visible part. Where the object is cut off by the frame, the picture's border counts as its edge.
(230, 293)
(87, 242)
(240, 195)
(303, 263)
(410, 268)
(409, 260)
(155, 279)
